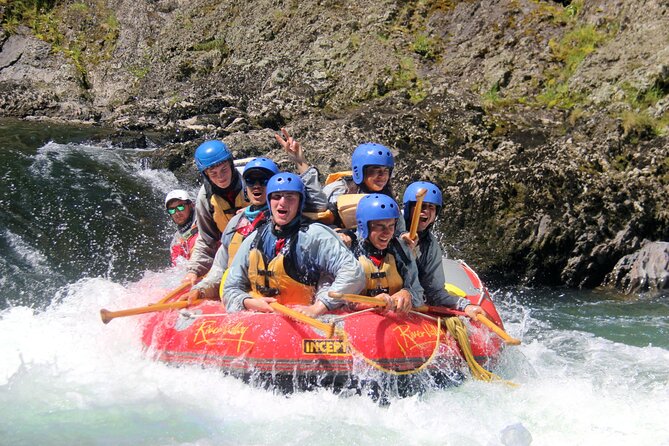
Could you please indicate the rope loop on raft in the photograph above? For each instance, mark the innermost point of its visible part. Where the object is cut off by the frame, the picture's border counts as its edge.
(459, 332)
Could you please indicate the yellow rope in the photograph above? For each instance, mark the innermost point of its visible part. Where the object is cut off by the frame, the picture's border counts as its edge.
(459, 332)
(378, 366)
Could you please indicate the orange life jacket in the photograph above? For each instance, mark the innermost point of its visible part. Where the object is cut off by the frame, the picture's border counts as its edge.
(383, 279)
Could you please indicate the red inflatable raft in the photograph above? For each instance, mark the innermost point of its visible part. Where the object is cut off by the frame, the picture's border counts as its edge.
(368, 349)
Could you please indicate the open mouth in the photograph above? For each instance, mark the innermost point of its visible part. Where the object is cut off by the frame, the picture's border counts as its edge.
(282, 212)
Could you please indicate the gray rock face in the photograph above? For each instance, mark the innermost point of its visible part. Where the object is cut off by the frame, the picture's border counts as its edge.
(544, 124)
(644, 270)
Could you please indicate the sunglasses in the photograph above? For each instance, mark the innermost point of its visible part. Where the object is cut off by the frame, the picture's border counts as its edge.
(250, 182)
(173, 210)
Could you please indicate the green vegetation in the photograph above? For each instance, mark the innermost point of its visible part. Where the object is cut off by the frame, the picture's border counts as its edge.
(426, 47)
(638, 123)
(83, 31)
(139, 71)
(569, 52)
(213, 44)
(406, 78)
(491, 97)
(23, 12)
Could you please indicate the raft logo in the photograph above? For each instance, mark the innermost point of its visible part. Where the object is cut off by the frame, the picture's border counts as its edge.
(335, 347)
(211, 332)
(412, 338)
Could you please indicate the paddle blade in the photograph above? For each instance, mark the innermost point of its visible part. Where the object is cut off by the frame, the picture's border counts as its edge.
(105, 316)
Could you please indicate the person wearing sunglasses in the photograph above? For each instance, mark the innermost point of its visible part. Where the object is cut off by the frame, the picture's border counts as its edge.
(181, 210)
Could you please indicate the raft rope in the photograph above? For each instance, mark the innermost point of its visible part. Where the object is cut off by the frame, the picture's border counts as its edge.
(459, 332)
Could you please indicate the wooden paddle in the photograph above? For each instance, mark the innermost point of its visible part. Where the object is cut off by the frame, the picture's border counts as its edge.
(175, 292)
(456, 291)
(107, 315)
(479, 317)
(420, 195)
(358, 298)
(328, 329)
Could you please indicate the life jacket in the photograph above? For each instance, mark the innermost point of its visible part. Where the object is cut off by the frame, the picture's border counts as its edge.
(271, 279)
(183, 243)
(383, 279)
(241, 232)
(330, 217)
(346, 207)
(223, 212)
(347, 175)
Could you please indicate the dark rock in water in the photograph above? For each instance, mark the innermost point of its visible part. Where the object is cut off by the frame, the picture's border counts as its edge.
(644, 270)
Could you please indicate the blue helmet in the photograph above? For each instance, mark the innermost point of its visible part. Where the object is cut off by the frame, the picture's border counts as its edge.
(211, 153)
(265, 164)
(374, 207)
(433, 194)
(370, 154)
(286, 182)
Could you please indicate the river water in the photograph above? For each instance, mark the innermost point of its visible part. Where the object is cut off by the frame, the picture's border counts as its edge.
(83, 228)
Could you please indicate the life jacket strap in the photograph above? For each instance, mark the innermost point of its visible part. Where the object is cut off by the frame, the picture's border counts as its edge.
(267, 291)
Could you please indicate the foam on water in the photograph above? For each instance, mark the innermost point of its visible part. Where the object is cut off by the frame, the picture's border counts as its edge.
(66, 378)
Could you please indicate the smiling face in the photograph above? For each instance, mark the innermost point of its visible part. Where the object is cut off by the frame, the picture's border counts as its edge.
(428, 214)
(381, 232)
(220, 174)
(285, 207)
(376, 177)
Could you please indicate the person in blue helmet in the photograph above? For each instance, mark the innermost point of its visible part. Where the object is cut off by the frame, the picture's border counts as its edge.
(222, 196)
(291, 260)
(429, 254)
(256, 175)
(371, 168)
(390, 269)
(218, 200)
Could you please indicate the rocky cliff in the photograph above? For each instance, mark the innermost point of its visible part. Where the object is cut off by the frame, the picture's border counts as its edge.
(544, 122)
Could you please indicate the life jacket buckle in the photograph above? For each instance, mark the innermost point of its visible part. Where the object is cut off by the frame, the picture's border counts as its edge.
(378, 275)
(377, 291)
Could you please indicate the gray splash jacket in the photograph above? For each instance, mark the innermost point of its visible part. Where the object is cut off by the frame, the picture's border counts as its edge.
(319, 250)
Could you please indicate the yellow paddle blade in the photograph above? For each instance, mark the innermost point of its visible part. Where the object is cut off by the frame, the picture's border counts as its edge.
(454, 290)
